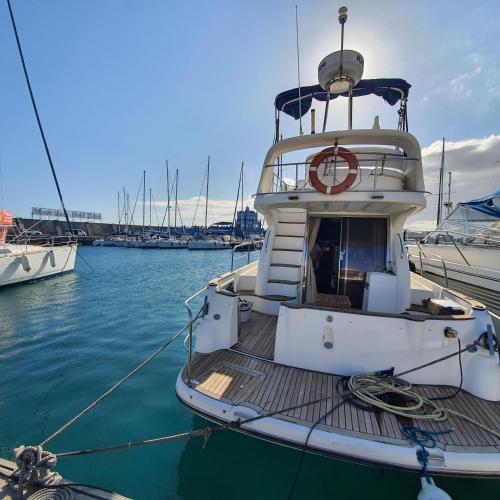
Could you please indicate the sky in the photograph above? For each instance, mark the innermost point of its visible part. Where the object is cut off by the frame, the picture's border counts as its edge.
(123, 85)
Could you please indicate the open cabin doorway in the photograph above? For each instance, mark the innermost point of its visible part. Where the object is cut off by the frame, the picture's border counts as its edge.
(343, 251)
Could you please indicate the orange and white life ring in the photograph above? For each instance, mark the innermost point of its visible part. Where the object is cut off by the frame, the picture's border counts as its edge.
(347, 156)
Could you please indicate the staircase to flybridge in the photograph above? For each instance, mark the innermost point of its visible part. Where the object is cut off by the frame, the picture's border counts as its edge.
(287, 254)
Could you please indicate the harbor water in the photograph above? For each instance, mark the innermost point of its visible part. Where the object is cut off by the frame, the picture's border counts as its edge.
(63, 341)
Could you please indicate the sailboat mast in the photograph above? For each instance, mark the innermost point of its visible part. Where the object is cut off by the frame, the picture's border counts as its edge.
(242, 166)
(440, 195)
(448, 205)
(176, 187)
(150, 196)
(168, 200)
(125, 212)
(143, 200)
(119, 215)
(237, 199)
(206, 198)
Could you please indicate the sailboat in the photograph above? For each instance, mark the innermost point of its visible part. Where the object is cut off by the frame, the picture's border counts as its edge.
(22, 261)
(328, 342)
(465, 246)
(172, 242)
(207, 243)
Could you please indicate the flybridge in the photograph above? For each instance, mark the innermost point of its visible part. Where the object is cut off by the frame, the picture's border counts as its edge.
(340, 73)
(391, 90)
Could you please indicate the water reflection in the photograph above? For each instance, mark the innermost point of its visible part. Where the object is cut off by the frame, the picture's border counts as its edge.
(235, 465)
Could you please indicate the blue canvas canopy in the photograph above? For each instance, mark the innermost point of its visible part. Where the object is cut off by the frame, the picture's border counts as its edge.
(485, 204)
(390, 89)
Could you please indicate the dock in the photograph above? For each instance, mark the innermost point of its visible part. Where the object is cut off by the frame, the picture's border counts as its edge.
(65, 489)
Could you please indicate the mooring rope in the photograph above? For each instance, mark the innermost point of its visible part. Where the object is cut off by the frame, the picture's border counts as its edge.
(368, 388)
(115, 386)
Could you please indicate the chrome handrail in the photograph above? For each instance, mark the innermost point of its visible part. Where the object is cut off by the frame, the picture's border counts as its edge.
(241, 245)
(445, 270)
(466, 235)
(190, 328)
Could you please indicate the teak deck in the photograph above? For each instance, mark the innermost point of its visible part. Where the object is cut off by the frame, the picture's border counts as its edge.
(265, 386)
(257, 336)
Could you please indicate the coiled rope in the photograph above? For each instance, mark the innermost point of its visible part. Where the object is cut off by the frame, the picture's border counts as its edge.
(370, 388)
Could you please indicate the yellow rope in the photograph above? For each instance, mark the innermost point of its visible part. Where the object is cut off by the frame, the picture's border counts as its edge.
(369, 388)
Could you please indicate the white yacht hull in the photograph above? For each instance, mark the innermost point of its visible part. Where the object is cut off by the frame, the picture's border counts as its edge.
(28, 263)
(209, 245)
(338, 445)
(172, 244)
(482, 271)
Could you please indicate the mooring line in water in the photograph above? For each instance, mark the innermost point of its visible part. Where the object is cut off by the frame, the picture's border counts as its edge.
(205, 432)
(115, 386)
(79, 255)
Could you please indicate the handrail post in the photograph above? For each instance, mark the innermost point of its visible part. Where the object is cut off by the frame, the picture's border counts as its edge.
(445, 273)
(232, 258)
(190, 348)
(248, 254)
(456, 247)
(421, 265)
(190, 331)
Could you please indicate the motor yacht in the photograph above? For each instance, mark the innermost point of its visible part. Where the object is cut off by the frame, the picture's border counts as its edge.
(342, 350)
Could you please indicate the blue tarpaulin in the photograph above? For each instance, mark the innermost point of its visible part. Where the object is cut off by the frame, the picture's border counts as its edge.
(485, 204)
(390, 89)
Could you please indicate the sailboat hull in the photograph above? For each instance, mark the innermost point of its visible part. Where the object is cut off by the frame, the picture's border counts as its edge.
(26, 263)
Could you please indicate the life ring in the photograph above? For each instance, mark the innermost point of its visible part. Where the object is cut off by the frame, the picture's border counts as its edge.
(345, 154)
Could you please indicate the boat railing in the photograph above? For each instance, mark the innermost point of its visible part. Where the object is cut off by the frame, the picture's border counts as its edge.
(477, 239)
(431, 257)
(294, 176)
(241, 245)
(42, 241)
(192, 318)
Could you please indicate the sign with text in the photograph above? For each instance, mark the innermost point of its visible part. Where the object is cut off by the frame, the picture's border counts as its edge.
(59, 213)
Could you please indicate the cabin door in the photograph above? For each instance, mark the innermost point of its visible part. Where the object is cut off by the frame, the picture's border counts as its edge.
(346, 248)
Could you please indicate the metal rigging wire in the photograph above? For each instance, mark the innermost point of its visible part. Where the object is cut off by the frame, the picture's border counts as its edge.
(35, 109)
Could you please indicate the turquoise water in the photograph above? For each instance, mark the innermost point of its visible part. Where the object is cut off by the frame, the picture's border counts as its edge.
(63, 341)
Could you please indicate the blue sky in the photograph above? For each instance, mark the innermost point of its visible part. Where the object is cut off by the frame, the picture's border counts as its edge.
(124, 84)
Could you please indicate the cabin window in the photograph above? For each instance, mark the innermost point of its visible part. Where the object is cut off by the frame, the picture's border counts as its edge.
(342, 252)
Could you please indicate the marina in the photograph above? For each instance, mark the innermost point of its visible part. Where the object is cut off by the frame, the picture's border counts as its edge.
(345, 345)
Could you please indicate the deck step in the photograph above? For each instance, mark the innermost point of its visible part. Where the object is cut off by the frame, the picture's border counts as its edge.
(295, 266)
(284, 282)
(280, 298)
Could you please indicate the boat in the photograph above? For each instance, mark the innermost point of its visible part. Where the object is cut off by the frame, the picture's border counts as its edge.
(21, 261)
(172, 242)
(207, 243)
(328, 342)
(465, 246)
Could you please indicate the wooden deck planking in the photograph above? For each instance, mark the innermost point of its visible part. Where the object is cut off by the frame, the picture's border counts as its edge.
(257, 335)
(237, 378)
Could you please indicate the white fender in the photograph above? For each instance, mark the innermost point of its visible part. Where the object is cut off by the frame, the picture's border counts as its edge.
(25, 262)
(430, 491)
(52, 258)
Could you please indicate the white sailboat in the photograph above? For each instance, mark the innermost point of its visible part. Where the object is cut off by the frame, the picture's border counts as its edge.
(26, 262)
(346, 352)
(172, 242)
(207, 243)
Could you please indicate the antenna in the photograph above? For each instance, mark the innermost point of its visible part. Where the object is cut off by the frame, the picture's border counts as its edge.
(298, 66)
(342, 21)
